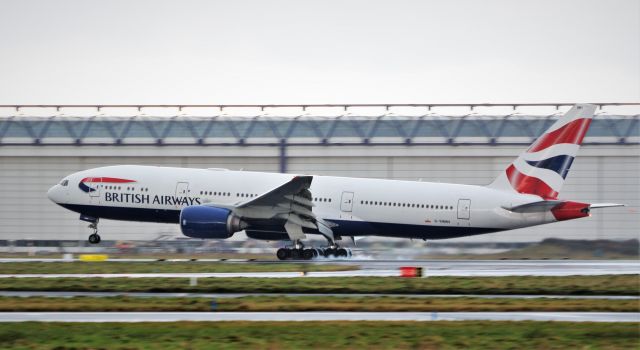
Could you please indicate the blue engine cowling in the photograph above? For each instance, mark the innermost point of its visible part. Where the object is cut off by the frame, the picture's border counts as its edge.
(201, 221)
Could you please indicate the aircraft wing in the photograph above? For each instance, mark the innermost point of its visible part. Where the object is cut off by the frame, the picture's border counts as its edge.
(291, 201)
(295, 191)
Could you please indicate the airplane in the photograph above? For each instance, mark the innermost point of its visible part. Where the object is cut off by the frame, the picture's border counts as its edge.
(216, 203)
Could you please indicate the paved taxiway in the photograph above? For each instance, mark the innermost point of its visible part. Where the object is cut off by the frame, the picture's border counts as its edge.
(316, 316)
(382, 268)
(52, 294)
(512, 267)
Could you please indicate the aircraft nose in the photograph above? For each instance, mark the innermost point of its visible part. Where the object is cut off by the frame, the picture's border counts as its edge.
(52, 193)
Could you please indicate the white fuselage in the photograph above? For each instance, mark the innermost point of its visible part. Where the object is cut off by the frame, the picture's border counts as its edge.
(358, 206)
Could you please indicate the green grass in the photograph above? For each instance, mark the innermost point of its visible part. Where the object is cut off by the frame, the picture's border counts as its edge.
(320, 335)
(565, 285)
(160, 267)
(312, 303)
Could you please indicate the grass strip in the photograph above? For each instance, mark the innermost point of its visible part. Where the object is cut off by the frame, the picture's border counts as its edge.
(320, 335)
(161, 267)
(310, 303)
(535, 285)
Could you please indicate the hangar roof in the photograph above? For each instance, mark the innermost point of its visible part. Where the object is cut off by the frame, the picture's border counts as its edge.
(26, 127)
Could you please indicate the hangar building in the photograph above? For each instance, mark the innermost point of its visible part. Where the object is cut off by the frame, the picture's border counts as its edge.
(442, 143)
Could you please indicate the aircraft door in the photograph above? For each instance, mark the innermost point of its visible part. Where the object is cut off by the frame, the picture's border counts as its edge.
(182, 190)
(346, 204)
(464, 209)
(95, 184)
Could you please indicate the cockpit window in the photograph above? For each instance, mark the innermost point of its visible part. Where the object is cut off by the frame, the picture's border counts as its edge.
(64, 183)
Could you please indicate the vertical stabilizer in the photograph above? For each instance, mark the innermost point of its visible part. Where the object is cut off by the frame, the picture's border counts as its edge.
(542, 169)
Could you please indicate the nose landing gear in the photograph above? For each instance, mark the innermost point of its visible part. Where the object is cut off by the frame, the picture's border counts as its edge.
(94, 238)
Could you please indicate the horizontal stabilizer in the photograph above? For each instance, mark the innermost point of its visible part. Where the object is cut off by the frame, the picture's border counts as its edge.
(542, 206)
(605, 205)
(535, 207)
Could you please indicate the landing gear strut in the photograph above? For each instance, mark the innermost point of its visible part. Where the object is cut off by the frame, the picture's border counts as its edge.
(94, 238)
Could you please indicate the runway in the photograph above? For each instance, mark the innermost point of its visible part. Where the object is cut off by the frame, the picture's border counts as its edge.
(316, 316)
(513, 267)
(53, 294)
(387, 268)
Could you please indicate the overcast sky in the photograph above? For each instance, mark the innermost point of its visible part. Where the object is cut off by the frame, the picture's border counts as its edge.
(319, 51)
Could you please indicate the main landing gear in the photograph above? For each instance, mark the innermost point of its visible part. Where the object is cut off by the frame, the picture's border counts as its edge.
(299, 252)
(94, 238)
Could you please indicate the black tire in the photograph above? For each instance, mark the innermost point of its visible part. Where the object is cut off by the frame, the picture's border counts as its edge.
(307, 254)
(329, 252)
(283, 254)
(296, 254)
(342, 253)
(94, 238)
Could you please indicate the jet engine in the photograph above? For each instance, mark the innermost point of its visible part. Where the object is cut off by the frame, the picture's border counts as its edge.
(201, 221)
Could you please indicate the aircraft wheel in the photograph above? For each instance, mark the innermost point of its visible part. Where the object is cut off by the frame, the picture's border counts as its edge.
(296, 254)
(283, 254)
(329, 252)
(307, 254)
(94, 238)
(342, 253)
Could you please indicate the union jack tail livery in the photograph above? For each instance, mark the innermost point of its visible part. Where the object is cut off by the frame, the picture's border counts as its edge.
(542, 169)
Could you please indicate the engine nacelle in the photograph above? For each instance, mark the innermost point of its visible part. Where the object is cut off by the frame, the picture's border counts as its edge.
(201, 221)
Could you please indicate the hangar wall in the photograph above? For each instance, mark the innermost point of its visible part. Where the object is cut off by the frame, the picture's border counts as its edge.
(601, 173)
